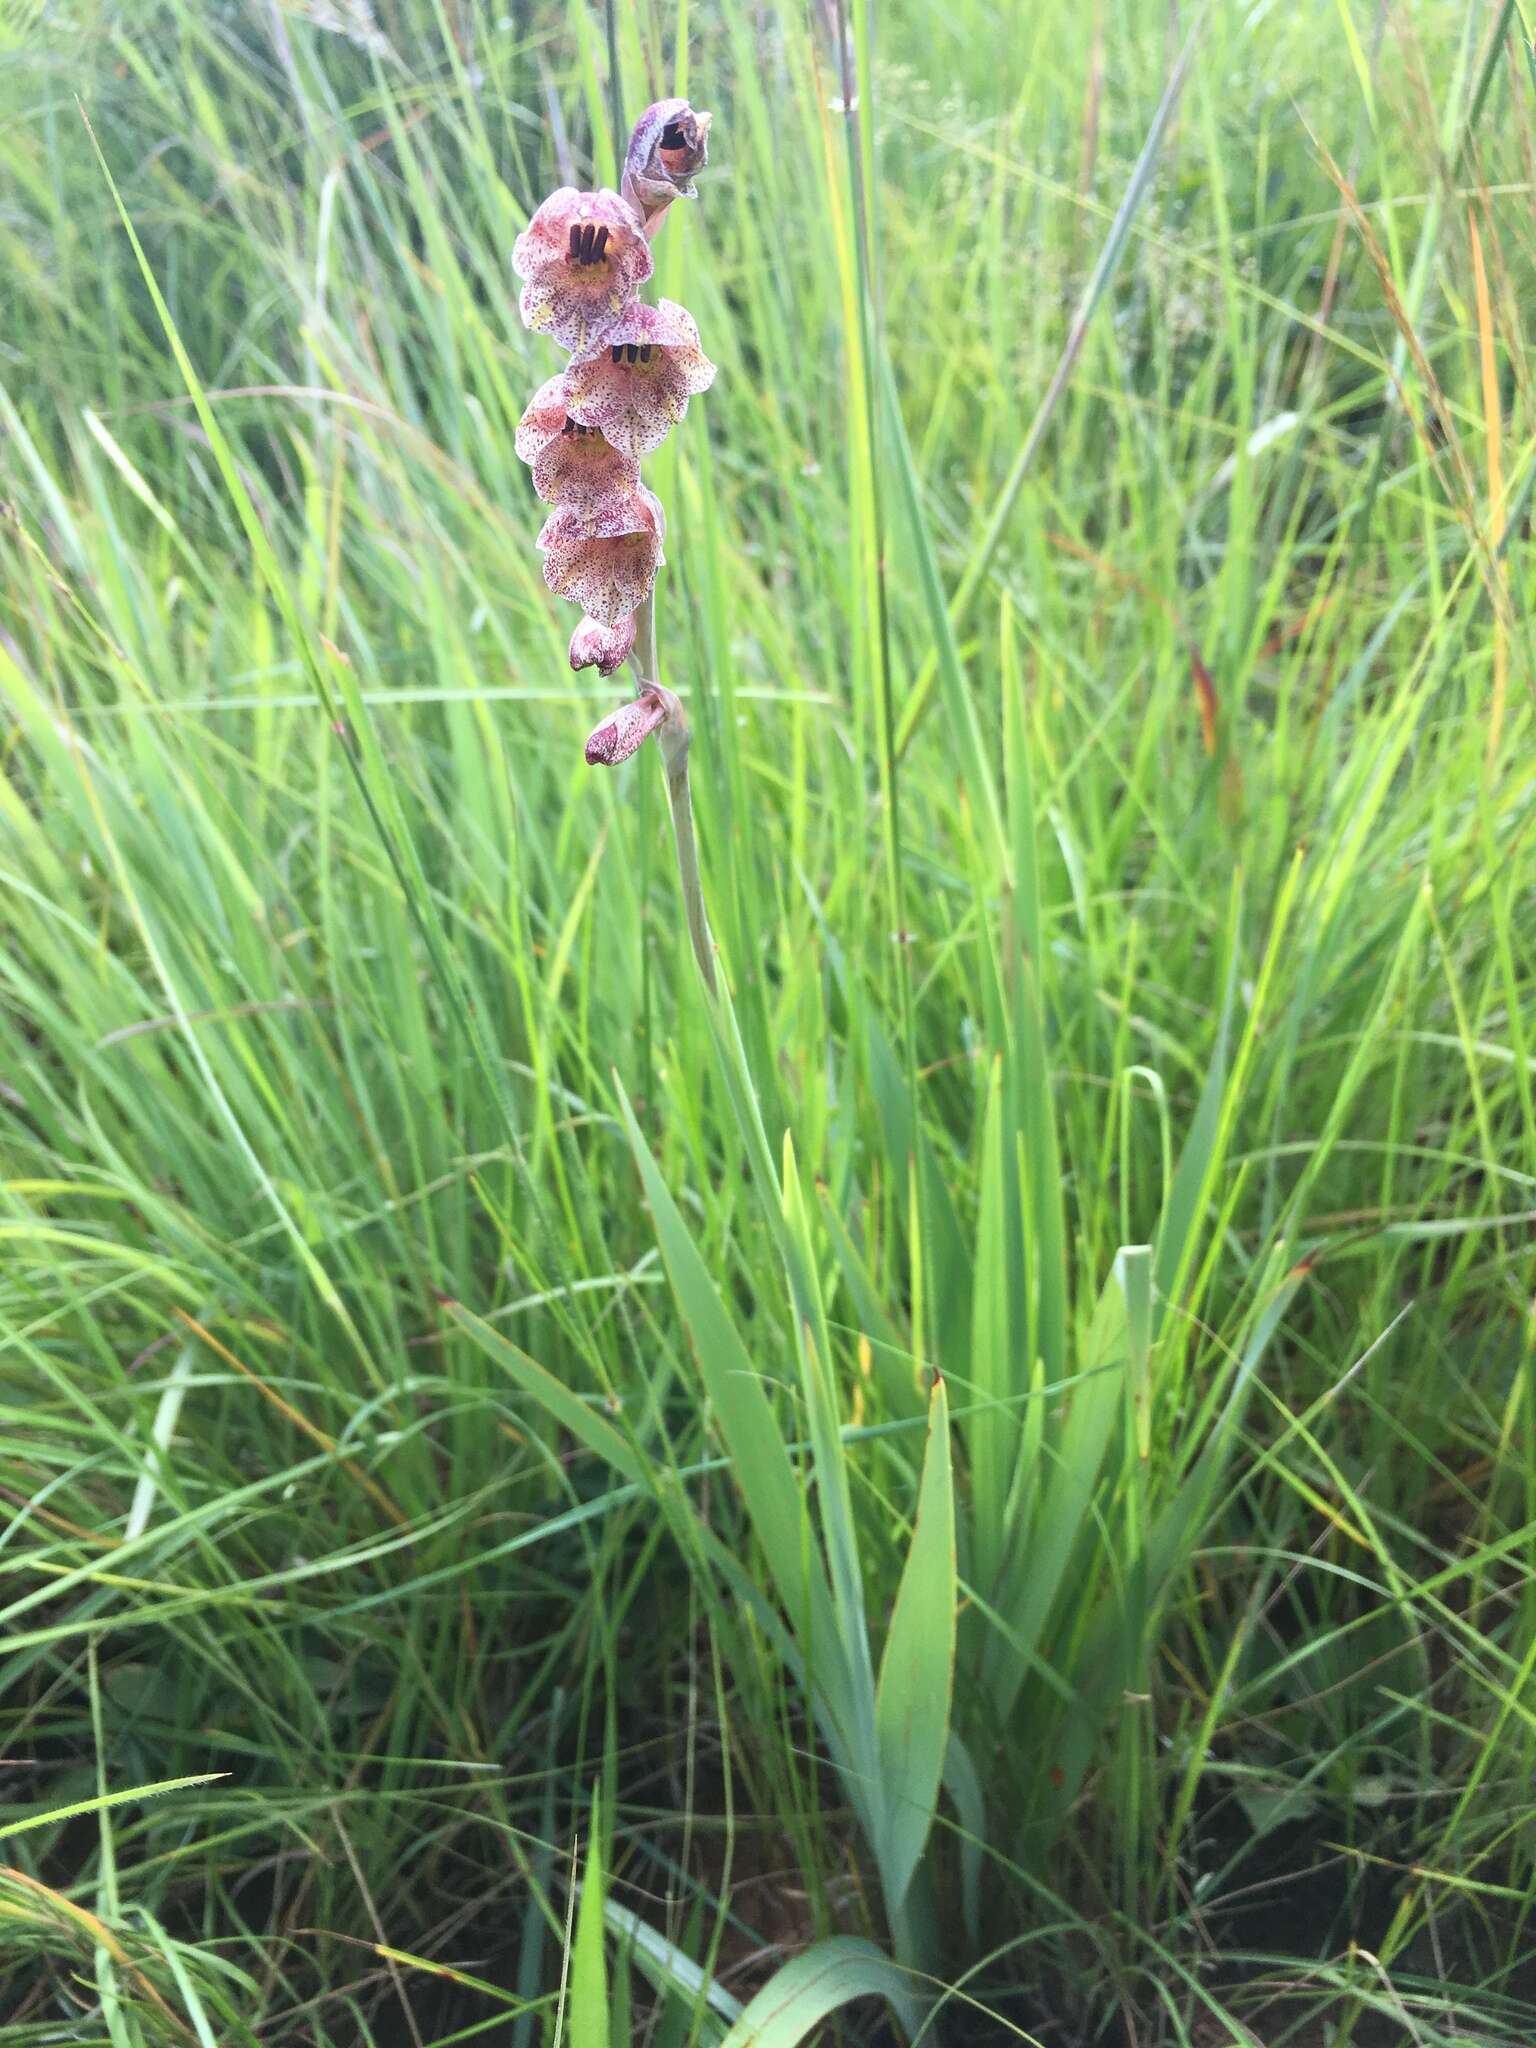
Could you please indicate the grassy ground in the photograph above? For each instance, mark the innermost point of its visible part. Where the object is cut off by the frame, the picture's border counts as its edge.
(468, 1393)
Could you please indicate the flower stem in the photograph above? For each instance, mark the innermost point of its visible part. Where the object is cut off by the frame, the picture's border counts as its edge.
(674, 738)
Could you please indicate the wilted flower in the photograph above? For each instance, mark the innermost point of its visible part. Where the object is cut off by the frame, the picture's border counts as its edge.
(627, 729)
(605, 648)
(582, 257)
(572, 463)
(638, 387)
(605, 561)
(670, 142)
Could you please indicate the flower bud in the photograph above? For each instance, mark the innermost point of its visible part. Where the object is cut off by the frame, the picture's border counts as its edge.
(627, 730)
(670, 142)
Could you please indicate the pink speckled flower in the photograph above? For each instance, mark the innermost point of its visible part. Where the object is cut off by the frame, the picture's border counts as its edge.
(605, 648)
(543, 419)
(639, 386)
(607, 562)
(582, 258)
(627, 729)
(572, 464)
(670, 142)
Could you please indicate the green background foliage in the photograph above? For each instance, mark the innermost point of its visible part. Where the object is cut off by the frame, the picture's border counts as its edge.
(981, 1487)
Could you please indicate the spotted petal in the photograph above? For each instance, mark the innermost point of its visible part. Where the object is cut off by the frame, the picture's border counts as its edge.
(545, 417)
(582, 258)
(572, 464)
(626, 730)
(605, 648)
(638, 387)
(607, 563)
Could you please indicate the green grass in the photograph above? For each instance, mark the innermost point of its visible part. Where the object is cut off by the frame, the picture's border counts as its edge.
(984, 1486)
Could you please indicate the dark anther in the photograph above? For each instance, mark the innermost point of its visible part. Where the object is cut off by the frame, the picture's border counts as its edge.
(645, 352)
(576, 244)
(617, 351)
(631, 352)
(600, 245)
(588, 238)
(672, 136)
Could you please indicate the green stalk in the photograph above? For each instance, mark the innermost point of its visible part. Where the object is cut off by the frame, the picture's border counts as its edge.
(675, 738)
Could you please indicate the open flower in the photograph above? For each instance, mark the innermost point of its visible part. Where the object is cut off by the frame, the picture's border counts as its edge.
(608, 562)
(572, 464)
(605, 648)
(670, 142)
(627, 729)
(582, 258)
(638, 387)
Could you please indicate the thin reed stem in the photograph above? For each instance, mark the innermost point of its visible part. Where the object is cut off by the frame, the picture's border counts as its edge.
(675, 738)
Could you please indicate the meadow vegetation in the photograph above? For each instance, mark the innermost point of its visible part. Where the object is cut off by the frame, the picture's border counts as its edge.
(979, 1487)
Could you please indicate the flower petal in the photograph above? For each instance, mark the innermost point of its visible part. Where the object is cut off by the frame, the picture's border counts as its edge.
(664, 325)
(605, 648)
(608, 565)
(545, 417)
(638, 388)
(639, 512)
(546, 237)
(579, 469)
(582, 258)
(626, 730)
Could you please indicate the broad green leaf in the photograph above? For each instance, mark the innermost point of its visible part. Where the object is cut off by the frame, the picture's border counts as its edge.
(890, 1357)
(907, 1149)
(1195, 1173)
(667, 1967)
(1133, 1276)
(827, 1976)
(917, 1671)
(830, 1457)
(1063, 1492)
(962, 1782)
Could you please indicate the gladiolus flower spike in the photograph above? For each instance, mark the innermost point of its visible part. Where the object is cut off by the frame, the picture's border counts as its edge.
(633, 367)
(632, 370)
